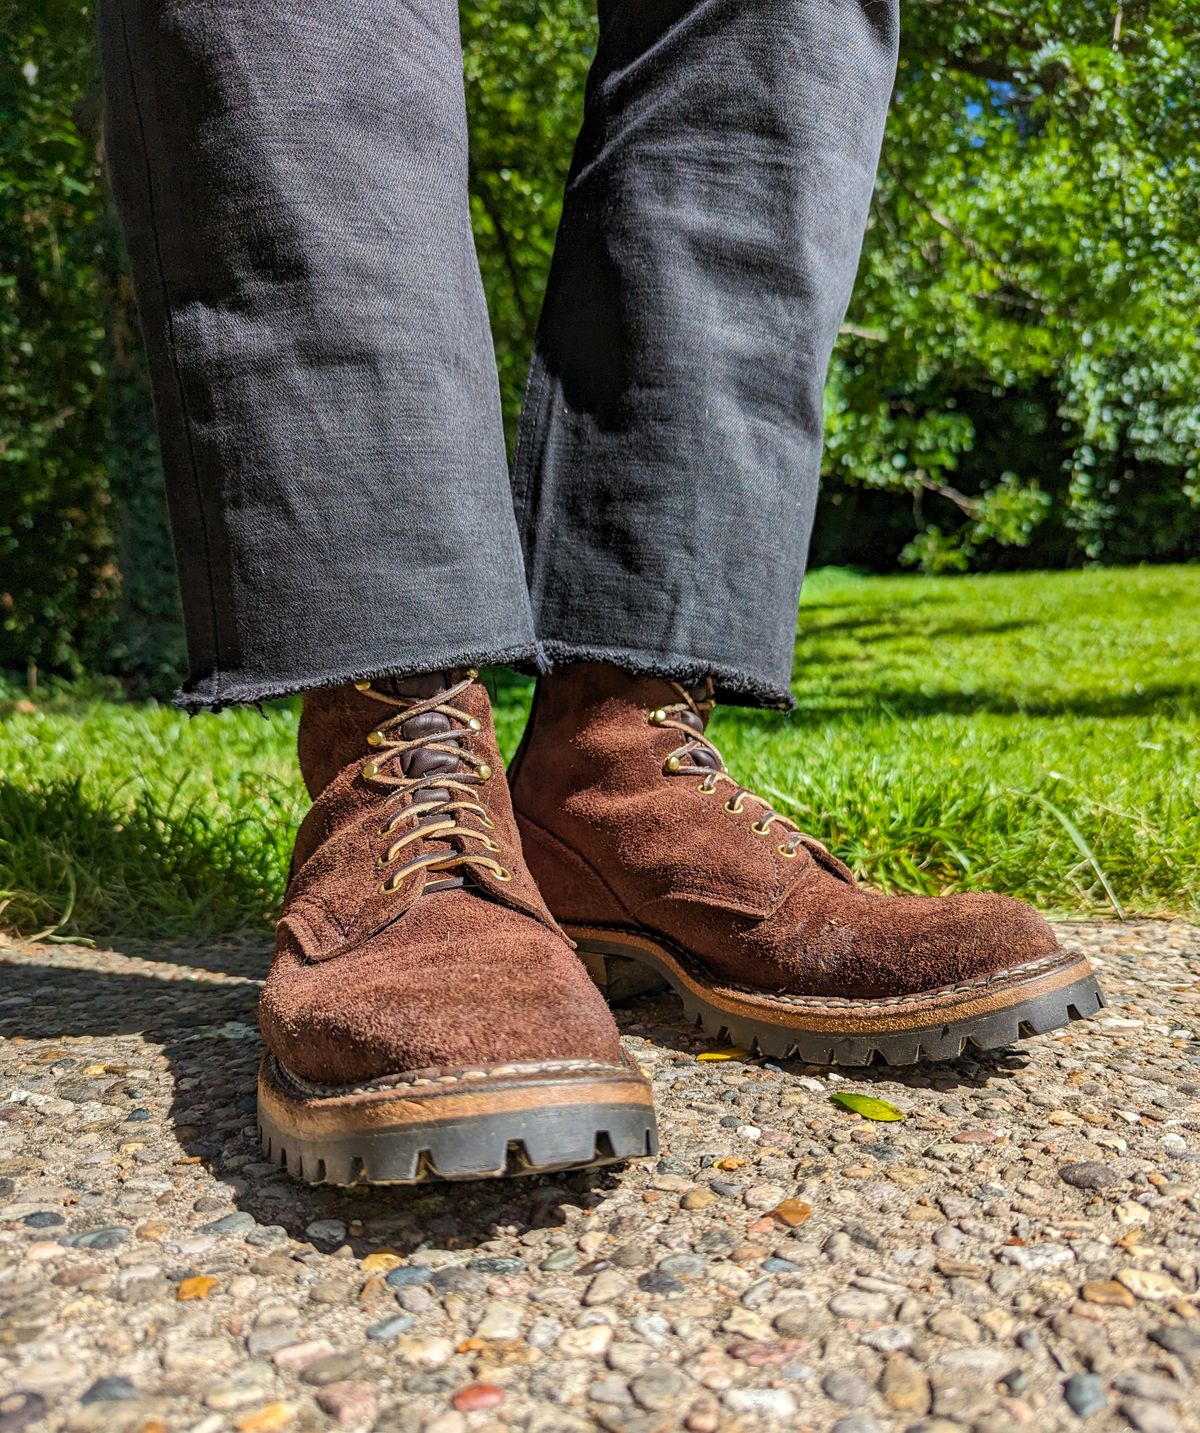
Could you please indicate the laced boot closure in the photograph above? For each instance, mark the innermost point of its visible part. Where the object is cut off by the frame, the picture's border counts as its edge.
(699, 756)
(424, 1016)
(423, 756)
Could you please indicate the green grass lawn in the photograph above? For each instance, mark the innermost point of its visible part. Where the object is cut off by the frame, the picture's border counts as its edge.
(1033, 733)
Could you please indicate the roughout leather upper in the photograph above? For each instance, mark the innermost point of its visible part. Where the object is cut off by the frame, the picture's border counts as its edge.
(368, 983)
(612, 838)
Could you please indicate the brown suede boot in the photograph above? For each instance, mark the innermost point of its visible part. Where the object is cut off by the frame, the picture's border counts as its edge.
(645, 847)
(424, 1016)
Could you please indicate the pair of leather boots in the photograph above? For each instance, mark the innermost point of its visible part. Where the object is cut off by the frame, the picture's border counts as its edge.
(429, 1012)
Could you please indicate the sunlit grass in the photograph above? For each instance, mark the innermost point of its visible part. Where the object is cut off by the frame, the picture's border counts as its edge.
(1033, 733)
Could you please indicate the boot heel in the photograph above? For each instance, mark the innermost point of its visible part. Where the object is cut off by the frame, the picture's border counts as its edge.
(620, 979)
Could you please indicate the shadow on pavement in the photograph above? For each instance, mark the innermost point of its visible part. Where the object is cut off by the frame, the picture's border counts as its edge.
(206, 1027)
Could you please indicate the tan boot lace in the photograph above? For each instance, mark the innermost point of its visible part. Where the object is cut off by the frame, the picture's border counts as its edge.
(699, 756)
(441, 798)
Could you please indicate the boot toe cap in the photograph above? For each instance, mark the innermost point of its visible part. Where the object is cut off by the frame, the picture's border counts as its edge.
(513, 994)
(870, 946)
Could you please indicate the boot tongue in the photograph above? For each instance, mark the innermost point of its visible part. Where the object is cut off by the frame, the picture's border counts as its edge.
(692, 719)
(422, 761)
(701, 693)
(420, 684)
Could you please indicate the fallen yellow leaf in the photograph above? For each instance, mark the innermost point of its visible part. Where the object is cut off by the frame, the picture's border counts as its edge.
(867, 1106)
(267, 1419)
(791, 1212)
(381, 1259)
(199, 1286)
(733, 1052)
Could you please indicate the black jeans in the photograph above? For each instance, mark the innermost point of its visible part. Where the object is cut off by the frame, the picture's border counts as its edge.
(292, 180)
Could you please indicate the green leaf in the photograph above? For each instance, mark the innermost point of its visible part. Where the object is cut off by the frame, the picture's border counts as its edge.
(866, 1105)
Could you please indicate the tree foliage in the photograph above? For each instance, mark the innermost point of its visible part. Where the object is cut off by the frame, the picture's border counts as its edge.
(58, 580)
(1017, 379)
(1032, 276)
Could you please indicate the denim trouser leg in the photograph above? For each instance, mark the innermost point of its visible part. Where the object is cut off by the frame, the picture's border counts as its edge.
(292, 182)
(669, 452)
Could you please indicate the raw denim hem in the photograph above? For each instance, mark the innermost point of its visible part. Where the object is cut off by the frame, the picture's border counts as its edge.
(734, 685)
(215, 692)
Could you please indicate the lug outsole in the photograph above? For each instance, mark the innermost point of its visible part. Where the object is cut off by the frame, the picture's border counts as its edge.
(392, 1147)
(608, 957)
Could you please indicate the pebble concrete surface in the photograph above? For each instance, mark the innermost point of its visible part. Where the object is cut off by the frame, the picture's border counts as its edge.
(1020, 1251)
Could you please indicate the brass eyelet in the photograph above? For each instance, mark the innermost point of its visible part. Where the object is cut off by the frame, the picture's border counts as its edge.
(504, 874)
(475, 724)
(371, 769)
(734, 808)
(658, 717)
(488, 844)
(387, 889)
(759, 829)
(488, 822)
(673, 763)
(485, 772)
(705, 789)
(788, 852)
(362, 686)
(472, 672)
(375, 738)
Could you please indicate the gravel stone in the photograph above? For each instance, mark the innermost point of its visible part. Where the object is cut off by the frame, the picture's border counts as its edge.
(326, 1231)
(390, 1328)
(1089, 1174)
(351, 1403)
(904, 1386)
(500, 1320)
(1155, 1386)
(684, 1266)
(101, 1239)
(846, 1387)
(860, 1304)
(21, 1409)
(113, 1389)
(1085, 1393)
(1148, 1417)
(605, 1287)
(660, 1387)
(659, 1282)
(236, 1223)
(769, 1404)
(1180, 1339)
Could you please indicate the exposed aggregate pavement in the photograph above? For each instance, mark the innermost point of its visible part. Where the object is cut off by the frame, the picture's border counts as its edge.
(1021, 1252)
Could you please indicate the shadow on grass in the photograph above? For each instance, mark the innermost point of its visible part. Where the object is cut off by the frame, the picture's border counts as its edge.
(136, 869)
(846, 700)
(893, 628)
(206, 1029)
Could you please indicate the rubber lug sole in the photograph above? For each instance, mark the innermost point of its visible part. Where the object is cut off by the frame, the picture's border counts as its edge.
(454, 1125)
(1033, 999)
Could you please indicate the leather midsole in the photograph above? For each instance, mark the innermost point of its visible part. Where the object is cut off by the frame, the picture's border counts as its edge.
(839, 1015)
(371, 1111)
